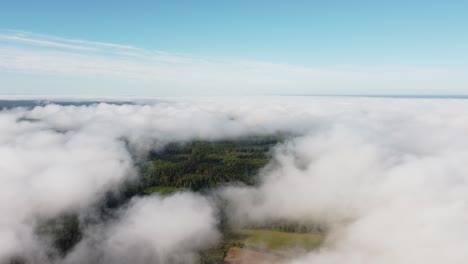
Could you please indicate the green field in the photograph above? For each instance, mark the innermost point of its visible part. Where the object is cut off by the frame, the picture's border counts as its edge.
(280, 241)
(263, 240)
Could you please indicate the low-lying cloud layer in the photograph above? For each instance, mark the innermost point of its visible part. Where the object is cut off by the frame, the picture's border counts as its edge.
(153, 230)
(386, 176)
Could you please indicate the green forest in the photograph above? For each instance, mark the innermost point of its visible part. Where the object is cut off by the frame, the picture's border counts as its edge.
(200, 165)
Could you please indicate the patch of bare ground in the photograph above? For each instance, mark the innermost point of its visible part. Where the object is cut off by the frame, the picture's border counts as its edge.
(236, 255)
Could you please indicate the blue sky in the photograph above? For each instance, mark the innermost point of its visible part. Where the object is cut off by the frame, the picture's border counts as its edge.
(375, 47)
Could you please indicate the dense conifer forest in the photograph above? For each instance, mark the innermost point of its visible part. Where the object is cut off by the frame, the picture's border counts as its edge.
(200, 165)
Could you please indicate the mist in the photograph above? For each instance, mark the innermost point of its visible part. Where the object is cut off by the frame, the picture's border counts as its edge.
(387, 177)
(152, 230)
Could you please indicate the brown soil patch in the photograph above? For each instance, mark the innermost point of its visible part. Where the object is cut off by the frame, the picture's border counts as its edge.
(237, 255)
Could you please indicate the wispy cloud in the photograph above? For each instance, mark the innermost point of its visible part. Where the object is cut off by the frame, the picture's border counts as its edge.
(53, 41)
(24, 52)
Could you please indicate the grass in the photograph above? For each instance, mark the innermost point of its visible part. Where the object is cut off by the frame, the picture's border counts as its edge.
(273, 242)
(280, 241)
(216, 255)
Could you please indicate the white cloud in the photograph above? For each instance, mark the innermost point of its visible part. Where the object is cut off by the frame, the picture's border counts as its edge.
(388, 176)
(153, 230)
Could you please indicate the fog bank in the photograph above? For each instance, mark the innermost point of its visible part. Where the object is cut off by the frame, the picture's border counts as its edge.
(386, 176)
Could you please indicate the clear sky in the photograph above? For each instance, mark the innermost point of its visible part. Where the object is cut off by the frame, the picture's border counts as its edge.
(233, 47)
